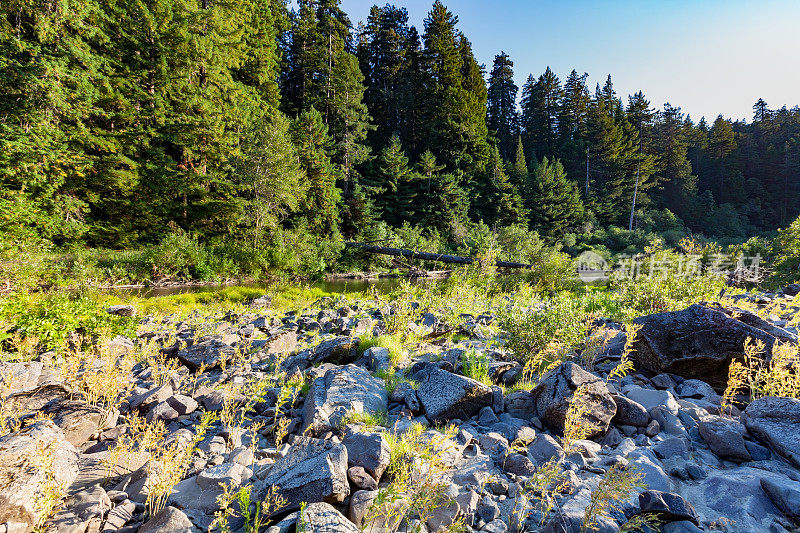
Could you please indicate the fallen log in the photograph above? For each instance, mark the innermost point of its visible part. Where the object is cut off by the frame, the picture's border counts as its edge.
(427, 256)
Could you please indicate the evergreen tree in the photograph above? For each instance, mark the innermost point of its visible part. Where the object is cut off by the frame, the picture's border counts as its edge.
(394, 189)
(541, 101)
(674, 170)
(555, 203)
(500, 202)
(321, 203)
(502, 118)
(519, 170)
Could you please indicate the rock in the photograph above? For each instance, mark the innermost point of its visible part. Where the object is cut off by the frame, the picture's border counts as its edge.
(695, 388)
(369, 451)
(669, 507)
(377, 359)
(359, 477)
(201, 492)
(209, 353)
(168, 520)
(520, 405)
(348, 389)
(486, 417)
(321, 517)
(19, 376)
(785, 495)
(30, 401)
(284, 342)
(653, 429)
(183, 405)
(544, 448)
(20, 479)
(122, 310)
(78, 420)
(146, 400)
(650, 399)
(724, 437)
(312, 470)
(360, 503)
(120, 515)
(445, 396)
(341, 350)
(699, 342)
(518, 464)
(555, 392)
(629, 412)
(672, 447)
(654, 476)
(792, 289)
(162, 411)
(775, 421)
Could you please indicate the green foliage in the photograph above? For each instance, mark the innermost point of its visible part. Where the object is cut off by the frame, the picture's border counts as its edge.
(787, 259)
(476, 366)
(554, 203)
(52, 318)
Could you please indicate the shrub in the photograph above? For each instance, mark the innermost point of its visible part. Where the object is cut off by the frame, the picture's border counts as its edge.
(786, 268)
(53, 317)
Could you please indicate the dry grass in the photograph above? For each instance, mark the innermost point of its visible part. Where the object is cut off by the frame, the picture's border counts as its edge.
(49, 492)
(617, 485)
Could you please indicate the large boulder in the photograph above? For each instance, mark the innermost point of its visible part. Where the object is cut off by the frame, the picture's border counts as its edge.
(78, 420)
(669, 507)
(700, 342)
(556, 392)
(776, 422)
(30, 460)
(313, 470)
(168, 520)
(342, 390)
(445, 396)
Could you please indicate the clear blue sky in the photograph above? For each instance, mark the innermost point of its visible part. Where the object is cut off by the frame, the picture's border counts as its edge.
(706, 56)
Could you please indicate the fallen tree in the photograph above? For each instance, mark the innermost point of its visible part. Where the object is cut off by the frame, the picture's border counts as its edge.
(428, 256)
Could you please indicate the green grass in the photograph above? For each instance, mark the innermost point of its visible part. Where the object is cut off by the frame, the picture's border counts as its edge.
(393, 343)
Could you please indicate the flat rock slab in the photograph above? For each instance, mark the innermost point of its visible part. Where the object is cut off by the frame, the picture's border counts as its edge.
(445, 396)
(776, 422)
(313, 470)
(342, 390)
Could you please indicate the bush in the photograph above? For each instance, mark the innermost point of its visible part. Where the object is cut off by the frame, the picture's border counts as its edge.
(53, 317)
(786, 268)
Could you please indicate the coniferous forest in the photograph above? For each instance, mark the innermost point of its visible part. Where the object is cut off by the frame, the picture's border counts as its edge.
(249, 124)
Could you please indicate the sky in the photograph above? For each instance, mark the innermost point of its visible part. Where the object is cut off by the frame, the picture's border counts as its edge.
(708, 57)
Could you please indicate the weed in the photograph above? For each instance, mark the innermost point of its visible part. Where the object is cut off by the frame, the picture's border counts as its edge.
(539, 493)
(370, 420)
(49, 492)
(625, 365)
(254, 514)
(617, 485)
(476, 366)
(393, 343)
(780, 376)
(575, 425)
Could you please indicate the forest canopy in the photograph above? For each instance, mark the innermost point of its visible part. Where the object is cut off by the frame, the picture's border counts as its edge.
(123, 122)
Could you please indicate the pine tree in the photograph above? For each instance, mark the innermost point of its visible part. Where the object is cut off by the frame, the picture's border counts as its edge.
(502, 117)
(519, 170)
(500, 202)
(541, 101)
(321, 202)
(395, 188)
(674, 170)
(555, 203)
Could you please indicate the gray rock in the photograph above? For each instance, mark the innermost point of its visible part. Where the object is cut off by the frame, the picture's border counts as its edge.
(775, 422)
(368, 450)
(120, 515)
(520, 405)
(695, 388)
(209, 353)
(486, 417)
(446, 396)
(184, 405)
(321, 517)
(672, 447)
(78, 420)
(312, 470)
(518, 464)
(556, 392)
(699, 342)
(168, 520)
(785, 495)
(19, 483)
(668, 421)
(654, 476)
(377, 359)
(359, 477)
(629, 412)
(284, 342)
(341, 350)
(162, 411)
(650, 399)
(544, 448)
(122, 310)
(669, 507)
(201, 492)
(349, 389)
(724, 437)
